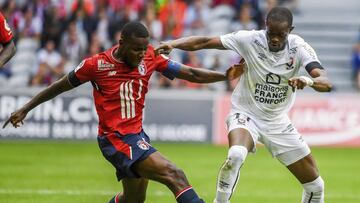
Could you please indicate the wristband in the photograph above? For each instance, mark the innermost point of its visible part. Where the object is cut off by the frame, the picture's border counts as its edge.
(309, 81)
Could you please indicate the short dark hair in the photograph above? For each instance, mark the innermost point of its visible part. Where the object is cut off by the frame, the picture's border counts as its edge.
(134, 29)
(280, 14)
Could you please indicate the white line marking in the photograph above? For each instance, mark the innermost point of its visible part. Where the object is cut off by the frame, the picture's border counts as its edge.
(160, 193)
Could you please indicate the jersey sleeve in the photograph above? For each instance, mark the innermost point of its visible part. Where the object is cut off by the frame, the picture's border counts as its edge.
(236, 41)
(166, 66)
(5, 31)
(84, 72)
(308, 57)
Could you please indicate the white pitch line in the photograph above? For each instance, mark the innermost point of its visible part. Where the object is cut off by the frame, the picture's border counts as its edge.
(159, 193)
(70, 192)
(54, 192)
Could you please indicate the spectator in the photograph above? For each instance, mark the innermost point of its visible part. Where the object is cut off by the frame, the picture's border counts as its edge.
(73, 47)
(172, 16)
(30, 26)
(102, 28)
(152, 23)
(244, 21)
(197, 17)
(83, 14)
(53, 25)
(356, 65)
(51, 65)
(119, 18)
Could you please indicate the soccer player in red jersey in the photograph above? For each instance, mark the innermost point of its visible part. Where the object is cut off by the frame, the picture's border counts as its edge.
(120, 78)
(6, 40)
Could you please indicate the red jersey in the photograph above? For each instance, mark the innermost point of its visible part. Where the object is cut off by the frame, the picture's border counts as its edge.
(5, 31)
(119, 90)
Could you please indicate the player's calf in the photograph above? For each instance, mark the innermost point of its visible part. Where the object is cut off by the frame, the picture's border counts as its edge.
(230, 173)
(177, 182)
(313, 191)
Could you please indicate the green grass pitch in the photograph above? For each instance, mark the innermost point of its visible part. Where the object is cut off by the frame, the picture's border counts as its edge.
(76, 172)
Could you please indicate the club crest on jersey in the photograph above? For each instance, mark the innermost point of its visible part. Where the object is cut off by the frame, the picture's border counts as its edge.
(142, 68)
(104, 65)
(142, 144)
(290, 65)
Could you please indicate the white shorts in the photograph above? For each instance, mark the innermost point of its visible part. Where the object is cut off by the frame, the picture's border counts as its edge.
(281, 138)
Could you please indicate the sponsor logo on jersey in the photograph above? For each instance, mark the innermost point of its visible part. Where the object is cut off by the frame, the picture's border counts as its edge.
(259, 44)
(272, 78)
(262, 56)
(142, 144)
(104, 65)
(293, 50)
(310, 51)
(270, 94)
(142, 68)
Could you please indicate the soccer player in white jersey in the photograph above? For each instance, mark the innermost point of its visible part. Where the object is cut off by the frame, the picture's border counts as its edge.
(262, 98)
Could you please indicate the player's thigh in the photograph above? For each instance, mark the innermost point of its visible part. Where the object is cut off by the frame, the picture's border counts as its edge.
(239, 126)
(305, 169)
(241, 136)
(134, 189)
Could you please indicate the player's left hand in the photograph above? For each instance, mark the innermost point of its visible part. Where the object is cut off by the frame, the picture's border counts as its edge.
(16, 119)
(236, 70)
(297, 83)
(163, 48)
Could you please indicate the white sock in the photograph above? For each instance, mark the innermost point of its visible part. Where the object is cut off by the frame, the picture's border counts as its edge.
(230, 173)
(313, 191)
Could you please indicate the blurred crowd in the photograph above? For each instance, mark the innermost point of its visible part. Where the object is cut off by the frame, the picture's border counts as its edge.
(53, 36)
(356, 63)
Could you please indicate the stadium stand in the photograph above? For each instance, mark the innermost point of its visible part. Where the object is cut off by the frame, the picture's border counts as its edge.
(332, 34)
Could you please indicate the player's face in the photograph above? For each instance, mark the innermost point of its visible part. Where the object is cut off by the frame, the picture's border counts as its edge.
(134, 50)
(276, 34)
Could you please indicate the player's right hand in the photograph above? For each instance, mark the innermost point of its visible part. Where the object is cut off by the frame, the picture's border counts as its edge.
(16, 118)
(236, 70)
(163, 48)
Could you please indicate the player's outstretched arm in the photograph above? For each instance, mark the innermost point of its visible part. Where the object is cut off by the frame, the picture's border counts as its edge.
(200, 75)
(48, 93)
(192, 43)
(319, 81)
(8, 51)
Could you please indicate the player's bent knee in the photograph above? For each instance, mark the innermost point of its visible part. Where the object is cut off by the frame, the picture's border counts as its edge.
(317, 185)
(237, 155)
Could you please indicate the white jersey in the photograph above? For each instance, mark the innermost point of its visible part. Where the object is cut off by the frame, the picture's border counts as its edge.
(263, 91)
